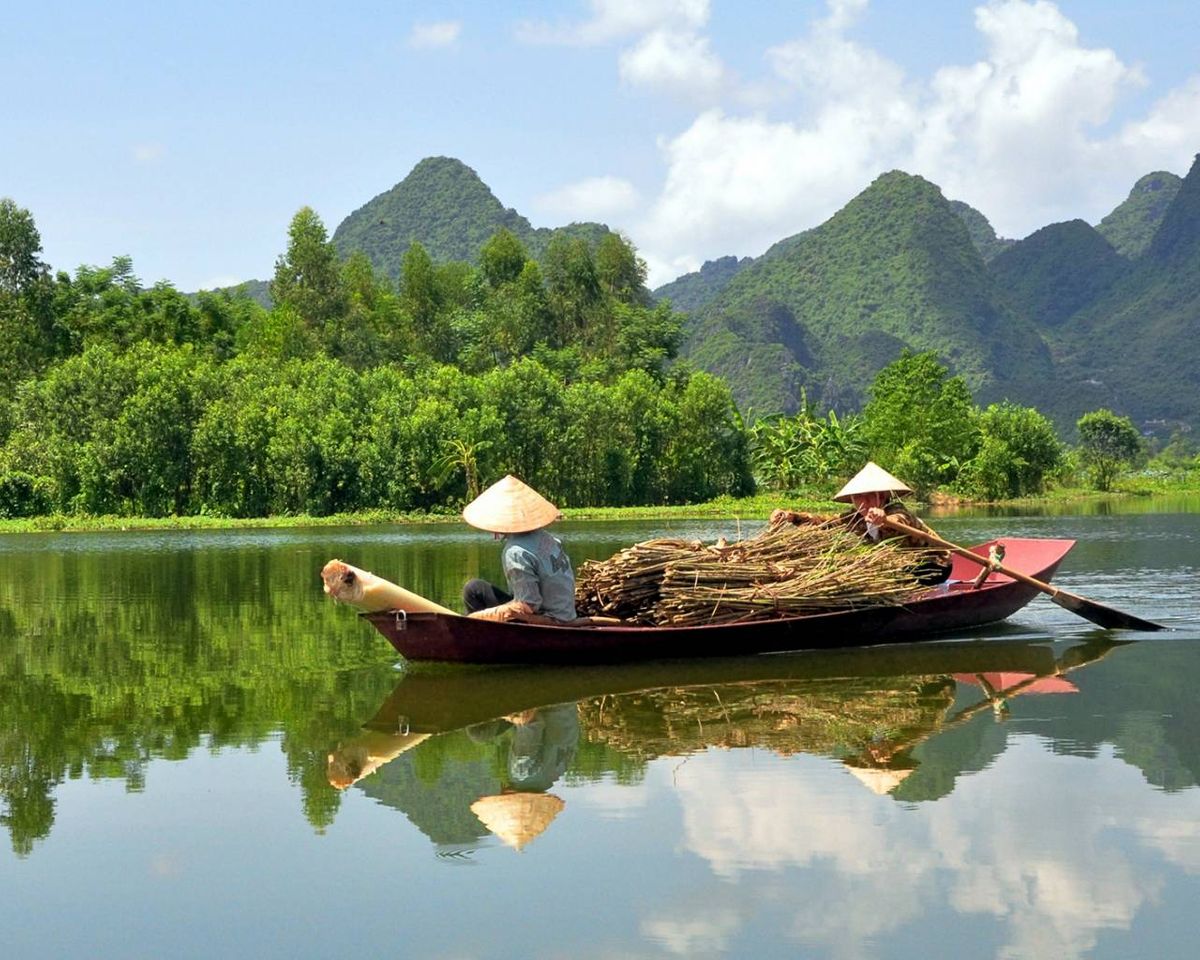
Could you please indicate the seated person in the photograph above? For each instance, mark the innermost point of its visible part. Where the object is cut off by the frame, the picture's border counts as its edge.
(537, 569)
(874, 495)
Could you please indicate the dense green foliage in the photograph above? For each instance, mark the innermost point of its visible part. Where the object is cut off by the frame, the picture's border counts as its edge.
(894, 269)
(444, 206)
(1132, 225)
(354, 393)
(1018, 451)
(1055, 272)
(921, 422)
(806, 449)
(1107, 443)
(693, 290)
(982, 234)
(1135, 350)
(115, 397)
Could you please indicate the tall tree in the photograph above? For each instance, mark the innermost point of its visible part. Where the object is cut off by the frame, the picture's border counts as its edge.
(423, 297)
(307, 276)
(622, 273)
(920, 422)
(28, 335)
(20, 248)
(573, 290)
(1107, 442)
(502, 258)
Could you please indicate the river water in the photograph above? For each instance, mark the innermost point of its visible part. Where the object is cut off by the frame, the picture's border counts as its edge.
(202, 757)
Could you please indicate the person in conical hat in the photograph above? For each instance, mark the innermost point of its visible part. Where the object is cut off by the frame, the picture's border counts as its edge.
(540, 580)
(874, 496)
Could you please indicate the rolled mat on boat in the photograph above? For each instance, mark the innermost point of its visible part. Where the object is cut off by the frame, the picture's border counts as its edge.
(372, 594)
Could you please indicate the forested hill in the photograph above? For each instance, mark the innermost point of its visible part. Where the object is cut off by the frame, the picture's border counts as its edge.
(443, 205)
(1137, 347)
(1131, 226)
(693, 290)
(824, 311)
(1057, 271)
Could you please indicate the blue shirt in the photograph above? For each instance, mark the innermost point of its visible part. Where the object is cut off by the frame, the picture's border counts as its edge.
(539, 573)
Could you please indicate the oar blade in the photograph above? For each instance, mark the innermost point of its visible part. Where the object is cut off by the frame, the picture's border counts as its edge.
(1101, 615)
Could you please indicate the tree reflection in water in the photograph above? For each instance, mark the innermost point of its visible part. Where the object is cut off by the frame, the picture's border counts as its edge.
(451, 752)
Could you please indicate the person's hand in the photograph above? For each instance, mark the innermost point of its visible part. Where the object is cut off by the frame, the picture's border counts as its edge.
(792, 516)
(876, 516)
(499, 614)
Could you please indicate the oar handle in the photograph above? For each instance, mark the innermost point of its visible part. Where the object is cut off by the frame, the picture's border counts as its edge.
(934, 539)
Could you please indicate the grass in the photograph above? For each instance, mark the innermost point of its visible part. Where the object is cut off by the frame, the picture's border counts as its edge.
(757, 507)
(1139, 484)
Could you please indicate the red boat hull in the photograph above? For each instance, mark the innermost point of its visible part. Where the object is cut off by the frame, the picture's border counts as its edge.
(432, 636)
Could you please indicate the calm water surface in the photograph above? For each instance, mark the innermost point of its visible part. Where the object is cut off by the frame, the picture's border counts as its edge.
(201, 757)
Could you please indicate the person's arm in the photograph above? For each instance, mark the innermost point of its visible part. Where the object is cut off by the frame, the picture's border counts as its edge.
(512, 610)
(797, 518)
(906, 517)
(520, 569)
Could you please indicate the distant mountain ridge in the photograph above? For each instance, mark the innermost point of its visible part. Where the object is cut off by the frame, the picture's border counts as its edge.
(1132, 225)
(894, 268)
(1070, 318)
(443, 205)
(1137, 347)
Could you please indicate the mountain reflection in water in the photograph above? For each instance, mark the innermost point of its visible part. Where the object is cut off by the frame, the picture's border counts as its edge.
(469, 753)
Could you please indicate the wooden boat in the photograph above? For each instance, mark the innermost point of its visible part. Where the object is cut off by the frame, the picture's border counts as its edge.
(954, 606)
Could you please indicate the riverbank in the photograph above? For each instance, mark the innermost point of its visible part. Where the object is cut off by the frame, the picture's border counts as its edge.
(758, 507)
(724, 508)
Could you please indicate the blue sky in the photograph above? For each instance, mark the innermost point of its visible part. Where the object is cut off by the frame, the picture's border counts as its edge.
(186, 136)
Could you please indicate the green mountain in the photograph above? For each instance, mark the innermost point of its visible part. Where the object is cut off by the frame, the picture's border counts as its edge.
(257, 290)
(1137, 349)
(981, 231)
(825, 310)
(443, 205)
(692, 291)
(1057, 271)
(1130, 227)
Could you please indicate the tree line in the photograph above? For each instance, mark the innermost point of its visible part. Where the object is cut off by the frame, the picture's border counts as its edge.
(922, 423)
(353, 392)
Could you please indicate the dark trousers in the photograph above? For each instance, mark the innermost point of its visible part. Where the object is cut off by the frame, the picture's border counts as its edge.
(480, 595)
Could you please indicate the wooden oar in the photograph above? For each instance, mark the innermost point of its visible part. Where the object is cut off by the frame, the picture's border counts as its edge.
(1098, 613)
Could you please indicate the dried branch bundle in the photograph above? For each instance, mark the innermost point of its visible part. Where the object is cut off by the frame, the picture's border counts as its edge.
(785, 570)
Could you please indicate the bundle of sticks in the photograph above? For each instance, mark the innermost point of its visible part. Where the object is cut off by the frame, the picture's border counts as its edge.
(785, 570)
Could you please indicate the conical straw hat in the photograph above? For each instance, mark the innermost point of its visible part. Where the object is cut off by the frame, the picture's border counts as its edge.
(510, 506)
(517, 818)
(872, 479)
(877, 780)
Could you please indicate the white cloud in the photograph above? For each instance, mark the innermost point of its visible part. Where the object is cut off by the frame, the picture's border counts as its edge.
(596, 198)
(692, 934)
(428, 36)
(678, 63)
(617, 20)
(148, 153)
(737, 184)
(1023, 843)
(666, 52)
(1025, 134)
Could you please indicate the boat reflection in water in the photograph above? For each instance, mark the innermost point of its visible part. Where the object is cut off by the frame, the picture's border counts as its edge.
(472, 752)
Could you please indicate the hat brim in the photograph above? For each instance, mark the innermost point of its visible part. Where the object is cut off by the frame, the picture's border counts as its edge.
(510, 506)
